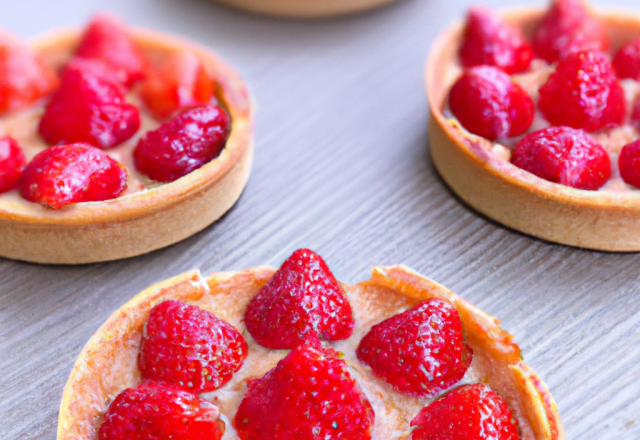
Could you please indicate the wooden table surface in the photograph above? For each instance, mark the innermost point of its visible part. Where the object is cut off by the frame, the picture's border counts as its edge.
(342, 166)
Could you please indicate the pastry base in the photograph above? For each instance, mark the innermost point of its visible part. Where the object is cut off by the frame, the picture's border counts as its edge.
(305, 8)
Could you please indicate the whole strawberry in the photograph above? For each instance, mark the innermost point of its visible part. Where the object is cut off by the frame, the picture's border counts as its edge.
(190, 348)
(301, 299)
(12, 162)
(308, 395)
(629, 163)
(421, 351)
(160, 412)
(469, 412)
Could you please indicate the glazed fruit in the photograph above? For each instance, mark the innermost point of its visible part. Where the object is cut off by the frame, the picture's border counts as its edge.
(23, 77)
(568, 27)
(183, 144)
(308, 395)
(160, 412)
(564, 155)
(583, 93)
(489, 40)
(74, 173)
(190, 348)
(489, 104)
(181, 82)
(12, 162)
(629, 163)
(421, 351)
(302, 298)
(469, 412)
(107, 40)
(91, 109)
(627, 60)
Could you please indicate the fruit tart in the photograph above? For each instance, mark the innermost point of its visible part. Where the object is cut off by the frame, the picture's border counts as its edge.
(294, 354)
(115, 142)
(305, 8)
(535, 120)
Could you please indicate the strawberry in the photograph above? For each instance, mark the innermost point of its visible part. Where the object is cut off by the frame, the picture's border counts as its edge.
(421, 351)
(190, 348)
(12, 162)
(302, 298)
(568, 27)
(74, 173)
(160, 412)
(107, 39)
(180, 82)
(627, 60)
(469, 412)
(489, 40)
(308, 395)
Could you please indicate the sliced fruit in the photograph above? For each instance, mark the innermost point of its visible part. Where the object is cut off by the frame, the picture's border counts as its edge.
(489, 40)
(489, 104)
(627, 60)
(12, 162)
(301, 299)
(160, 412)
(190, 348)
(74, 173)
(564, 155)
(308, 395)
(469, 412)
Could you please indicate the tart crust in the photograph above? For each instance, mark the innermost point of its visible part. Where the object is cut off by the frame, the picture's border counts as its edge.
(137, 223)
(305, 8)
(520, 200)
(108, 362)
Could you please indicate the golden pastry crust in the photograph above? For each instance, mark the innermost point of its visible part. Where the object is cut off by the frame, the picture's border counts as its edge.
(305, 8)
(136, 223)
(108, 363)
(591, 219)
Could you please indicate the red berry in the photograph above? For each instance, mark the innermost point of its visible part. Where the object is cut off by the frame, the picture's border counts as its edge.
(583, 93)
(190, 348)
(568, 27)
(490, 40)
(183, 144)
(308, 395)
(74, 173)
(301, 299)
(107, 39)
(88, 109)
(627, 60)
(180, 82)
(155, 411)
(12, 162)
(469, 412)
(635, 115)
(93, 68)
(24, 78)
(488, 103)
(419, 352)
(629, 163)
(564, 155)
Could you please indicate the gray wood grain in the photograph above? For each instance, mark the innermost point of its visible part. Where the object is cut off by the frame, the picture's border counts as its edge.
(342, 167)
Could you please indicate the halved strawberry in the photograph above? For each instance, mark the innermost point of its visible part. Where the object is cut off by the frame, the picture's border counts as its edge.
(301, 299)
(420, 351)
(12, 162)
(469, 412)
(190, 348)
(308, 395)
(160, 412)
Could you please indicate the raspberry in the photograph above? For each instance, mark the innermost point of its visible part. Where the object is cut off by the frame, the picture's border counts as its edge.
(627, 60)
(89, 109)
(568, 27)
(629, 163)
(106, 39)
(421, 351)
(301, 299)
(489, 40)
(23, 77)
(74, 173)
(12, 162)
(160, 412)
(564, 155)
(489, 104)
(183, 144)
(635, 115)
(181, 82)
(469, 412)
(308, 395)
(583, 93)
(190, 348)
